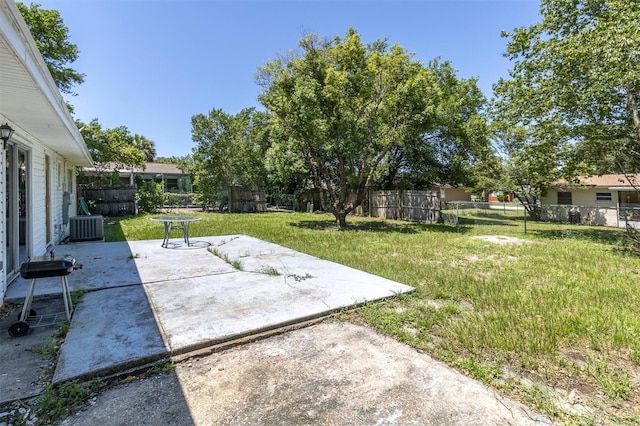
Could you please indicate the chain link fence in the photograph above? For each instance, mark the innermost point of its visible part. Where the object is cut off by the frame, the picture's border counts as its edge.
(469, 212)
(460, 212)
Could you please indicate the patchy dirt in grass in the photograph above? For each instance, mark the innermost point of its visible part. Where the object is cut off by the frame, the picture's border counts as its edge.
(492, 258)
(577, 390)
(501, 239)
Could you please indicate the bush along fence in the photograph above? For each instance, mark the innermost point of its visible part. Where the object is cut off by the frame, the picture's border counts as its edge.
(178, 200)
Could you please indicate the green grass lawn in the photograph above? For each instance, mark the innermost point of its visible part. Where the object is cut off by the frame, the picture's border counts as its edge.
(552, 321)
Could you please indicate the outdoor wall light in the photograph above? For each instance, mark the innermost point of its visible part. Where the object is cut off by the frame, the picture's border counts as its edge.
(5, 134)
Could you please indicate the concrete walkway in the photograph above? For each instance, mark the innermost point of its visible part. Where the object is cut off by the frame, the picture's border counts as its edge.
(145, 303)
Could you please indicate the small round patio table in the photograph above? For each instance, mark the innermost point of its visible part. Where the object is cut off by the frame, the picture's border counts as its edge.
(175, 222)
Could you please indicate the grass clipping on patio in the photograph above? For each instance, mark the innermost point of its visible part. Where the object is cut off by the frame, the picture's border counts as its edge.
(548, 317)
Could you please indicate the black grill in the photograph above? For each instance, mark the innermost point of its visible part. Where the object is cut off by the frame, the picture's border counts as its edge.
(44, 267)
(56, 267)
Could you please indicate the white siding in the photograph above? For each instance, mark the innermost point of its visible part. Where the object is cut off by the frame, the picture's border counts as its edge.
(38, 231)
(38, 192)
(58, 182)
(38, 242)
(3, 226)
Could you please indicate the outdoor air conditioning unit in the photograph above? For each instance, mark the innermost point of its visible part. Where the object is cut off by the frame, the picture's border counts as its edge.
(86, 228)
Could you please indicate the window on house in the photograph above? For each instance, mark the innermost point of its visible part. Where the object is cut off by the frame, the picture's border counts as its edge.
(171, 184)
(603, 197)
(564, 198)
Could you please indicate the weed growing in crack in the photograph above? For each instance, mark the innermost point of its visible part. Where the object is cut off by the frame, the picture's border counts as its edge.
(271, 271)
(61, 400)
(235, 263)
(297, 278)
(165, 367)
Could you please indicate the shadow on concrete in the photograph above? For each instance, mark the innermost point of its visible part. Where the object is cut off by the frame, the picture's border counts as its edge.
(113, 328)
(25, 367)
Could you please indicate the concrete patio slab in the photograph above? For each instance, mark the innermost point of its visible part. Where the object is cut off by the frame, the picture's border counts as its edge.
(179, 261)
(223, 308)
(189, 298)
(111, 331)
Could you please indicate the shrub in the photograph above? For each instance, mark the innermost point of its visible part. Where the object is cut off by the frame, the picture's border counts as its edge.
(149, 196)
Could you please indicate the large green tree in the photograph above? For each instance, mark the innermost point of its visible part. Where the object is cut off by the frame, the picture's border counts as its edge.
(112, 149)
(52, 39)
(342, 108)
(531, 161)
(230, 150)
(450, 146)
(574, 89)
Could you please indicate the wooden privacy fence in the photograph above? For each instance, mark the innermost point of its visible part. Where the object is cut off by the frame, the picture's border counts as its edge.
(108, 200)
(245, 199)
(410, 205)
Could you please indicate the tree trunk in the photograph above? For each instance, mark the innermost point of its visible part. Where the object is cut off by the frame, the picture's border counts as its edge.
(529, 204)
(341, 219)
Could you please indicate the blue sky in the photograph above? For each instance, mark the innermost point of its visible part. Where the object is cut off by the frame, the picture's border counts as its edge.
(151, 65)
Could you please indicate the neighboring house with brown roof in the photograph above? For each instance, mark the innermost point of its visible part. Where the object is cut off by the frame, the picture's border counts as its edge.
(172, 178)
(607, 200)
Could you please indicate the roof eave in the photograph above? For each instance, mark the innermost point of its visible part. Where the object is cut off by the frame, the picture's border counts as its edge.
(32, 103)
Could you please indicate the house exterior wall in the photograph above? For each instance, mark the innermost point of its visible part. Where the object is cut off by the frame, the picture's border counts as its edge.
(588, 215)
(3, 226)
(454, 194)
(169, 175)
(60, 171)
(59, 229)
(34, 108)
(582, 197)
(171, 182)
(38, 211)
(583, 201)
(62, 177)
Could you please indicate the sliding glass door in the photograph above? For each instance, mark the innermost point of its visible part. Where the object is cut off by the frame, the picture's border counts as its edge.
(18, 182)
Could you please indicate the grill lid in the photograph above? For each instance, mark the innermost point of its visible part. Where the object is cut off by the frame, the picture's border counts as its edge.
(47, 266)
